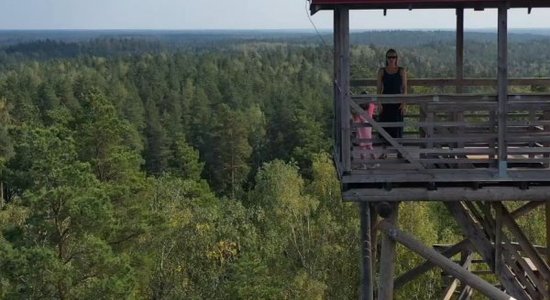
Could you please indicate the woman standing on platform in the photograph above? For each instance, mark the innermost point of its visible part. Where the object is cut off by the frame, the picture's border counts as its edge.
(392, 79)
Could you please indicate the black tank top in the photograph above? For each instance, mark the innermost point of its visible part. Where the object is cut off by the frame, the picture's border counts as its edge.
(392, 82)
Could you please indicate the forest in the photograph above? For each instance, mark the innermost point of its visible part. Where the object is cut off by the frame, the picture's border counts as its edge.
(198, 166)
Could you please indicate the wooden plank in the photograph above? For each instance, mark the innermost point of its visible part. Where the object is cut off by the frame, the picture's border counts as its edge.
(524, 242)
(446, 194)
(459, 49)
(374, 234)
(446, 264)
(484, 247)
(337, 90)
(367, 288)
(472, 231)
(547, 211)
(498, 239)
(451, 250)
(387, 259)
(448, 293)
(466, 293)
(428, 265)
(524, 272)
(525, 209)
(437, 82)
(446, 175)
(502, 88)
(466, 99)
(343, 32)
(386, 135)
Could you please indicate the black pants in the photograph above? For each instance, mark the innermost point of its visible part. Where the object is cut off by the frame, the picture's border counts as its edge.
(392, 113)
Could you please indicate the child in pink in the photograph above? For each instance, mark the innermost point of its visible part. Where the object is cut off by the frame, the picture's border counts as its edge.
(365, 132)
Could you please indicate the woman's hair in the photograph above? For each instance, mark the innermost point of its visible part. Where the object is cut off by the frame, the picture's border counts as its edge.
(391, 51)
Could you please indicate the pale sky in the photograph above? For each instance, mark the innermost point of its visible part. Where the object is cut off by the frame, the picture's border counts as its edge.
(232, 14)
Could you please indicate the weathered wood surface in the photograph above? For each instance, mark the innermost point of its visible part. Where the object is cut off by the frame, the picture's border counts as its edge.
(428, 265)
(451, 289)
(502, 90)
(465, 246)
(446, 264)
(476, 234)
(526, 245)
(367, 281)
(446, 194)
(387, 259)
(460, 132)
(438, 82)
(547, 212)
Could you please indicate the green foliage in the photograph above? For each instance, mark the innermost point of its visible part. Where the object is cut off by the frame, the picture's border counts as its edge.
(64, 232)
(133, 169)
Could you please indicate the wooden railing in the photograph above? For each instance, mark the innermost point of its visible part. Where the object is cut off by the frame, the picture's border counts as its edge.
(446, 133)
(455, 131)
(471, 82)
(460, 131)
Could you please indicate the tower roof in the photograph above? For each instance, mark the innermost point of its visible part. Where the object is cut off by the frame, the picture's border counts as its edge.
(317, 5)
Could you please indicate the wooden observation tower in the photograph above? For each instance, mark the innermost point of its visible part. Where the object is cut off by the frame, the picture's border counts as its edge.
(472, 152)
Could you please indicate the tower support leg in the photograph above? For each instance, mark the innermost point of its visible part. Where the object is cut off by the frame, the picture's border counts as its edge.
(387, 258)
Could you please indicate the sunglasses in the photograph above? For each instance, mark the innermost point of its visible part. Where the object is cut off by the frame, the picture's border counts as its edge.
(390, 57)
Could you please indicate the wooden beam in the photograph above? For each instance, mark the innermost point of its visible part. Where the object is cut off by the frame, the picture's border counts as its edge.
(426, 266)
(387, 259)
(524, 272)
(367, 288)
(524, 242)
(344, 86)
(386, 135)
(446, 194)
(459, 49)
(441, 82)
(498, 238)
(502, 77)
(484, 247)
(448, 294)
(466, 294)
(450, 251)
(337, 101)
(547, 206)
(446, 264)
(525, 209)
(373, 235)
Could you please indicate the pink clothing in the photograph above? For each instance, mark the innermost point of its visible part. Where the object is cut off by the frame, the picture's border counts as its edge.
(365, 132)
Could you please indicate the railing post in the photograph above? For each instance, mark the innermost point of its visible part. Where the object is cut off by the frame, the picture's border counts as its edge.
(342, 55)
(502, 89)
(459, 116)
(337, 81)
(459, 49)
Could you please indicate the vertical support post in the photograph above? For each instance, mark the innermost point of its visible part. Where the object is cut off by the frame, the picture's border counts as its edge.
(344, 83)
(337, 81)
(498, 238)
(2, 201)
(502, 88)
(387, 259)
(459, 116)
(459, 49)
(367, 288)
(548, 238)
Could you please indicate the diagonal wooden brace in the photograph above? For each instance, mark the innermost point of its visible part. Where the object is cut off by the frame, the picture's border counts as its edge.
(386, 135)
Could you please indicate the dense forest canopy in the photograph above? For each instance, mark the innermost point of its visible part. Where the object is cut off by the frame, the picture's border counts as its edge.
(197, 165)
